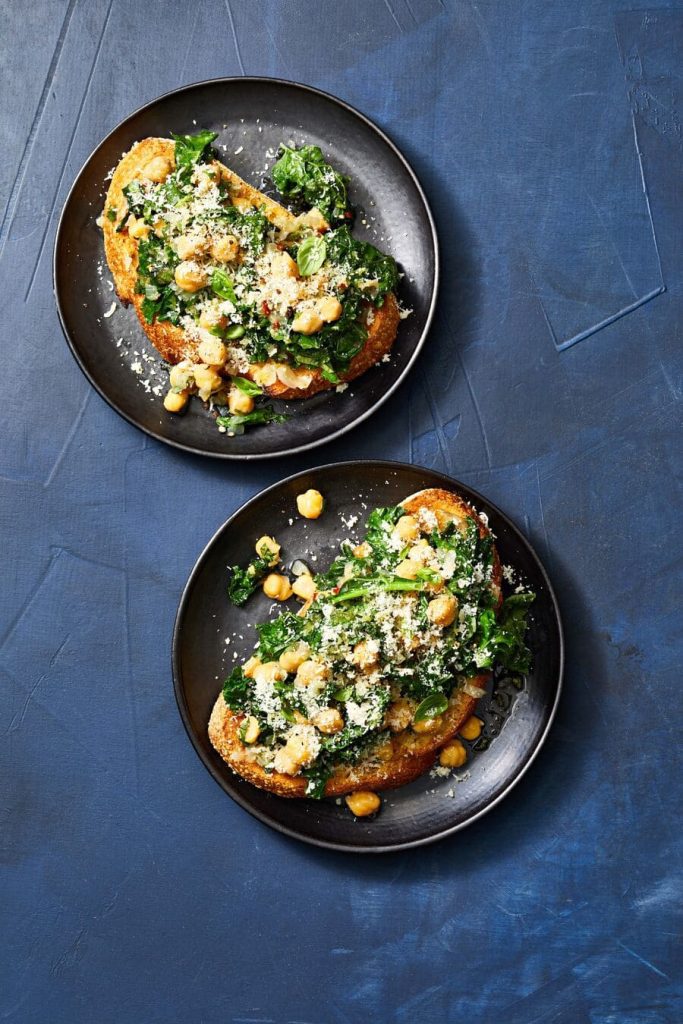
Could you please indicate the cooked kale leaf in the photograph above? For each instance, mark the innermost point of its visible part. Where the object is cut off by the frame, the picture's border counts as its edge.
(243, 582)
(304, 175)
(190, 149)
(318, 776)
(236, 691)
(381, 522)
(156, 264)
(362, 262)
(236, 424)
(501, 641)
(276, 636)
(333, 347)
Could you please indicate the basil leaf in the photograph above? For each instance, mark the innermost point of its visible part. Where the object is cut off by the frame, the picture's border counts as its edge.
(431, 707)
(247, 387)
(190, 149)
(311, 255)
(222, 286)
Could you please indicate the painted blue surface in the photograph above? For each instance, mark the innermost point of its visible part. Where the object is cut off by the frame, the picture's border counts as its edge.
(548, 138)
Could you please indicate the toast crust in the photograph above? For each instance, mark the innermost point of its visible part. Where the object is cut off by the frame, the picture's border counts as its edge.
(405, 755)
(170, 340)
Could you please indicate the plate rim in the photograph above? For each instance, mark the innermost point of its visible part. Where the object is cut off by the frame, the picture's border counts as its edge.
(335, 434)
(213, 769)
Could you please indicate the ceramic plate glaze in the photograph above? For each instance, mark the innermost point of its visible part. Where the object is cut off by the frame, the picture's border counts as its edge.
(516, 721)
(252, 117)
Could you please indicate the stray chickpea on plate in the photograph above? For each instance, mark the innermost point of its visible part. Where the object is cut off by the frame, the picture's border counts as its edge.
(377, 675)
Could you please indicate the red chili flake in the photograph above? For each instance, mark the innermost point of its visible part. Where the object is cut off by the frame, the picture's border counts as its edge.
(265, 308)
(348, 214)
(335, 590)
(276, 324)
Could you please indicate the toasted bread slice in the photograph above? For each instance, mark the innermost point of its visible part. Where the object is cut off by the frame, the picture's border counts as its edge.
(170, 340)
(405, 755)
(401, 759)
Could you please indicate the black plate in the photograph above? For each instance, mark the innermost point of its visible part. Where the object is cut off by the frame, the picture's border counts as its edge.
(256, 114)
(422, 811)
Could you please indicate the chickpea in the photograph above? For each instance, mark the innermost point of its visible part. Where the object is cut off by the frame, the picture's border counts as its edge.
(453, 755)
(137, 228)
(285, 763)
(399, 715)
(251, 665)
(311, 673)
(204, 180)
(442, 610)
(158, 169)
(180, 376)
(277, 587)
(298, 379)
(283, 265)
(268, 547)
(207, 380)
(175, 401)
(293, 657)
(299, 750)
(407, 529)
(307, 322)
(264, 375)
(407, 569)
(366, 654)
(471, 730)
(250, 730)
(426, 725)
(328, 721)
(329, 309)
(384, 751)
(210, 320)
(310, 504)
(421, 552)
(304, 587)
(362, 550)
(313, 218)
(190, 277)
(363, 803)
(225, 249)
(269, 672)
(239, 403)
(212, 352)
(188, 246)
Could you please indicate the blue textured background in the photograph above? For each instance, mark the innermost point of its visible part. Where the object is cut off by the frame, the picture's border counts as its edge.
(548, 138)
